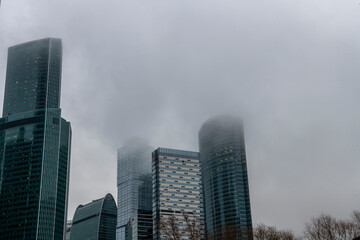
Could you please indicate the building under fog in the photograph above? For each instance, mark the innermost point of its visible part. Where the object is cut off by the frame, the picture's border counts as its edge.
(134, 191)
(225, 178)
(34, 144)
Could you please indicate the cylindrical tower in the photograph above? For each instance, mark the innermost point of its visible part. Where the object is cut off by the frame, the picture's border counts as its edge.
(225, 178)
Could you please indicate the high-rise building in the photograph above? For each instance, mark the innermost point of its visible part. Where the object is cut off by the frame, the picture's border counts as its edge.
(95, 220)
(225, 178)
(177, 199)
(134, 191)
(34, 144)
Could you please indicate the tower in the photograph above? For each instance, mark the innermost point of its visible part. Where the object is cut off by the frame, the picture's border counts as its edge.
(34, 144)
(177, 200)
(134, 191)
(225, 178)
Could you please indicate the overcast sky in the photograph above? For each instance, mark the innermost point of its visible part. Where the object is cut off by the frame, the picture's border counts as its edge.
(157, 69)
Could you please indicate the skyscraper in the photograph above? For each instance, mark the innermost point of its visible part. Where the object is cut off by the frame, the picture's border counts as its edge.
(134, 191)
(177, 201)
(225, 178)
(95, 220)
(34, 144)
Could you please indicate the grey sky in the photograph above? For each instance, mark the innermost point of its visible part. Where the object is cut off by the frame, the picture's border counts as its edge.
(158, 69)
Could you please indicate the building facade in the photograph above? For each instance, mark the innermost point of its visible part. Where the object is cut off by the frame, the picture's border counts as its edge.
(225, 178)
(34, 144)
(140, 225)
(177, 199)
(68, 229)
(134, 190)
(95, 220)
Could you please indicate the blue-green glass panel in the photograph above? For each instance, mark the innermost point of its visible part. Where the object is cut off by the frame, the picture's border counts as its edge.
(225, 179)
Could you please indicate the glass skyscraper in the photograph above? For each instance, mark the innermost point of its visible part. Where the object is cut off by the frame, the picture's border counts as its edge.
(134, 190)
(34, 144)
(177, 194)
(95, 220)
(225, 178)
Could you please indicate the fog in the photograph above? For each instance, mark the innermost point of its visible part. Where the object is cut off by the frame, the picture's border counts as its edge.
(158, 69)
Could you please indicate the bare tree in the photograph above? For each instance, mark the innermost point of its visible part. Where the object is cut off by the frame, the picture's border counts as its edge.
(322, 227)
(263, 232)
(172, 228)
(356, 221)
(193, 226)
(346, 229)
(169, 228)
(326, 227)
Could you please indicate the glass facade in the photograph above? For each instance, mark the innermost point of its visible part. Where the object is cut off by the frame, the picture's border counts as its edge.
(33, 76)
(134, 190)
(225, 178)
(34, 145)
(140, 225)
(176, 179)
(95, 220)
